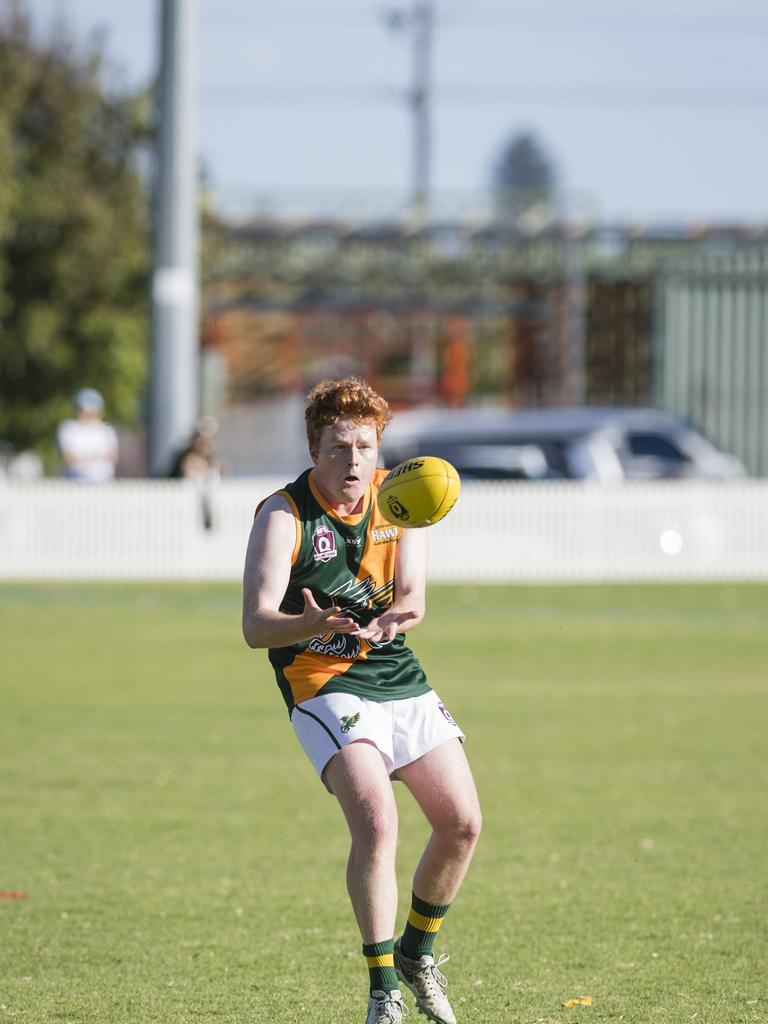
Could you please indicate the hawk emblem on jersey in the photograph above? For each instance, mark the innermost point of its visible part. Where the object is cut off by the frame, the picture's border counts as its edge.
(324, 544)
(364, 594)
(336, 645)
(348, 722)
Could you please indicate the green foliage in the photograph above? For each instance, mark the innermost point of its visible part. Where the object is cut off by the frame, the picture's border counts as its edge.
(182, 863)
(73, 237)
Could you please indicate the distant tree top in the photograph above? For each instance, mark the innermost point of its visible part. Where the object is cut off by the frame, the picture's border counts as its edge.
(524, 177)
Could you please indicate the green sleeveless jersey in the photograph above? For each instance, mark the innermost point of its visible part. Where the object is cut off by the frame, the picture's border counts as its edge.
(347, 561)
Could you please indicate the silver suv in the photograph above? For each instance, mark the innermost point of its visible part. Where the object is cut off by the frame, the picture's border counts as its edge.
(605, 444)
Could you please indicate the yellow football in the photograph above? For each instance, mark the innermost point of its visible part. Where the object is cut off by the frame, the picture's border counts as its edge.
(419, 492)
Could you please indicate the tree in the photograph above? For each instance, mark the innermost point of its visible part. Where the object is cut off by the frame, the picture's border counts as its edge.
(524, 177)
(74, 227)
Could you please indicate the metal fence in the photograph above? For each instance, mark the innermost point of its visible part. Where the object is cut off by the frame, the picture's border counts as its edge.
(712, 349)
(498, 532)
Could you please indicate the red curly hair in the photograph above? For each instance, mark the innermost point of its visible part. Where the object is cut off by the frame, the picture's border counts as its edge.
(349, 398)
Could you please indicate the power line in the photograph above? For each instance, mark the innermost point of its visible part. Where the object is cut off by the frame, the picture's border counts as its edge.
(602, 95)
(571, 21)
(356, 21)
(333, 16)
(564, 94)
(308, 93)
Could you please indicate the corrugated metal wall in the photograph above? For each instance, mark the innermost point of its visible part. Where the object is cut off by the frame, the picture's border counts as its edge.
(711, 349)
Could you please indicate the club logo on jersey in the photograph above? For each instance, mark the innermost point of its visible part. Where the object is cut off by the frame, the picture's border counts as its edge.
(446, 713)
(324, 544)
(383, 534)
(358, 594)
(397, 508)
(348, 722)
(335, 645)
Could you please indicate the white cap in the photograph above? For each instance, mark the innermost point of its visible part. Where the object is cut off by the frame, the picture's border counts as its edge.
(89, 400)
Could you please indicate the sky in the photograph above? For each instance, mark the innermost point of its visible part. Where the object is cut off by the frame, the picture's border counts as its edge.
(652, 112)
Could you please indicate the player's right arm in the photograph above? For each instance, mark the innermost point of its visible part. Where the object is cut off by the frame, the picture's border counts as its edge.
(265, 581)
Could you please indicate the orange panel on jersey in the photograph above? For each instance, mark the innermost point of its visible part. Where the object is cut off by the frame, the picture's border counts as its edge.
(378, 562)
(309, 672)
(378, 559)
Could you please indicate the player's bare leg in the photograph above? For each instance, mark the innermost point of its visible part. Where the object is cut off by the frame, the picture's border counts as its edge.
(442, 784)
(359, 780)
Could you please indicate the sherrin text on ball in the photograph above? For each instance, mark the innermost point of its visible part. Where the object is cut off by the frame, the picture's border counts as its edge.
(419, 492)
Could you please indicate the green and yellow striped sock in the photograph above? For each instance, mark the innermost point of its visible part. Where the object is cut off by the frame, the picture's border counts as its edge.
(423, 925)
(381, 965)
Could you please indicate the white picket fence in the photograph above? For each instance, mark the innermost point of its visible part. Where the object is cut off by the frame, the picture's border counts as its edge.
(498, 532)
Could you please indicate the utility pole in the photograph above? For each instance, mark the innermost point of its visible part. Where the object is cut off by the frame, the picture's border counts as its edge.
(174, 388)
(421, 98)
(419, 20)
(573, 306)
(574, 313)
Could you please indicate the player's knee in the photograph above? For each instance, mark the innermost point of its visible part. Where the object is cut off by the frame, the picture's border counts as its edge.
(472, 825)
(465, 827)
(377, 828)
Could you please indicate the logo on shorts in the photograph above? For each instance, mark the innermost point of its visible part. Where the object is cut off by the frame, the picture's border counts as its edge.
(446, 713)
(324, 544)
(348, 722)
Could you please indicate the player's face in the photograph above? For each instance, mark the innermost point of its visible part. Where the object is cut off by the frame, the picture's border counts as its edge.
(345, 459)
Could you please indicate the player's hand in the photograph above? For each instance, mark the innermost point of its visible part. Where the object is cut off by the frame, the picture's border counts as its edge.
(324, 620)
(383, 629)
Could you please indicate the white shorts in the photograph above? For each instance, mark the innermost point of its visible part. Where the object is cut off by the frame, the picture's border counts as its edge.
(401, 730)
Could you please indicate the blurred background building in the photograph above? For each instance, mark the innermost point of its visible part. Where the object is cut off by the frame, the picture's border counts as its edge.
(472, 205)
(453, 315)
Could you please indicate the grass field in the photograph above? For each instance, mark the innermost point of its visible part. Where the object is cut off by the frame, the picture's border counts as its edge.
(182, 864)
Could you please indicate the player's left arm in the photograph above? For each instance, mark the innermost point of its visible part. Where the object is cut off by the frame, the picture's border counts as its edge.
(407, 609)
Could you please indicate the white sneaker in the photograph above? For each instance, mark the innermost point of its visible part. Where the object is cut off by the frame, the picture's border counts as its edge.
(386, 1007)
(428, 985)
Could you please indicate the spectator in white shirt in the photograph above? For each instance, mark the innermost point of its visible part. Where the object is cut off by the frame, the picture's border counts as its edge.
(88, 445)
